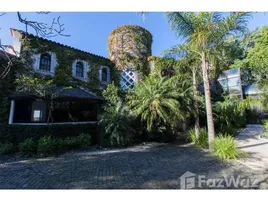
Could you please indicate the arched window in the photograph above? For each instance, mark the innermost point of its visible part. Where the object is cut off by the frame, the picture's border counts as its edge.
(104, 75)
(79, 71)
(45, 62)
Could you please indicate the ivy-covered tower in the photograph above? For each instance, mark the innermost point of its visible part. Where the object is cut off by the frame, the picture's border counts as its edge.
(129, 47)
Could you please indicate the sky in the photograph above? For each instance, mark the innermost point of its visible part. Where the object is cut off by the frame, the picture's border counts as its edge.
(89, 31)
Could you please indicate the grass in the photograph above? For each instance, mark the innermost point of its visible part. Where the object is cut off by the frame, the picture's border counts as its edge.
(6, 148)
(202, 140)
(225, 148)
(265, 133)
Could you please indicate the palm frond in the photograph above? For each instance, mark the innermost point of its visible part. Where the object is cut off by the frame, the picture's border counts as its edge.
(181, 22)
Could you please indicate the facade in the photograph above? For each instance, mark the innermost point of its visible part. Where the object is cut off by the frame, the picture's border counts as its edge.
(79, 76)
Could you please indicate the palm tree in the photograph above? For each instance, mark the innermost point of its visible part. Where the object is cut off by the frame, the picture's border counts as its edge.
(159, 100)
(116, 124)
(188, 65)
(203, 32)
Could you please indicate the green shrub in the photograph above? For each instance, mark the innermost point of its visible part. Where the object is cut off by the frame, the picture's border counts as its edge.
(84, 140)
(225, 148)
(28, 147)
(71, 142)
(116, 129)
(16, 134)
(229, 130)
(47, 145)
(265, 131)
(191, 135)
(6, 148)
(202, 141)
(230, 114)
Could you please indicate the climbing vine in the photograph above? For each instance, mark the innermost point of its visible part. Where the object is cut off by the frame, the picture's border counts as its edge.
(129, 46)
(65, 57)
(163, 66)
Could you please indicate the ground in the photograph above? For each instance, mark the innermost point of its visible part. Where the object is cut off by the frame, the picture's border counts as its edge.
(250, 140)
(149, 166)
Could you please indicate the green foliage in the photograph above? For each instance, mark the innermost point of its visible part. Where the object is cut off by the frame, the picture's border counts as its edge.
(84, 140)
(204, 33)
(33, 83)
(116, 128)
(258, 55)
(6, 148)
(164, 67)
(69, 143)
(255, 59)
(28, 147)
(159, 100)
(202, 141)
(225, 148)
(7, 87)
(265, 126)
(65, 58)
(129, 38)
(112, 95)
(47, 145)
(18, 133)
(230, 113)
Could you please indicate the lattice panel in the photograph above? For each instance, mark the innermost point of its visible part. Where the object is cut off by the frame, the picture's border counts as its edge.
(128, 78)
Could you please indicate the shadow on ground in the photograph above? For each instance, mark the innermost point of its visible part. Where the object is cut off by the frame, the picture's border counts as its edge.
(140, 167)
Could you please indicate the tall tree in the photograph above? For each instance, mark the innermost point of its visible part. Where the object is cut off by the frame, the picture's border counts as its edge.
(203, 32)
(188, 64)
(256, 59)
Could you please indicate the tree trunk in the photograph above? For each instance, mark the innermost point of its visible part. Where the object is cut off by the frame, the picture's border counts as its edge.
(196, 110)
(210, 123)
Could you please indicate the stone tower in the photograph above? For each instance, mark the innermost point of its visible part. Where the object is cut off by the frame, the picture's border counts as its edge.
(129, 47)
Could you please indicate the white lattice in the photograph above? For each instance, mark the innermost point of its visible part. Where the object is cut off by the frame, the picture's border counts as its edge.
(128, 78)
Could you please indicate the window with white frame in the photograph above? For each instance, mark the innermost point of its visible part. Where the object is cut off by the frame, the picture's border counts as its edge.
(104, 74)
(79, 70)
(45, 62)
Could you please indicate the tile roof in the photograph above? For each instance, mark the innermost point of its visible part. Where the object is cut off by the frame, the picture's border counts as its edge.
(62, 92)
(63, 45)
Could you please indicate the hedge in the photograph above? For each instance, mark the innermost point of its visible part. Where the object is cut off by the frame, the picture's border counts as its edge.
(18, 133)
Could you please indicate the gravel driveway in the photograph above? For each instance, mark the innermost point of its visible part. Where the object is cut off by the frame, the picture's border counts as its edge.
(150, 166)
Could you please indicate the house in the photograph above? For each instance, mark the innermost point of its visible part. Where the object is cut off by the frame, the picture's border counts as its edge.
(79, 76)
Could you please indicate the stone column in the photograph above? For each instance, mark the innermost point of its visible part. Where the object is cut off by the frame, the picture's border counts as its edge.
(11, 112)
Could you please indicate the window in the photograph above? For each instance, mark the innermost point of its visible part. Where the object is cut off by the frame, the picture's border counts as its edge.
(38, 111)
(45, 62)
(128, 78)
(79, 72)
(104, 75)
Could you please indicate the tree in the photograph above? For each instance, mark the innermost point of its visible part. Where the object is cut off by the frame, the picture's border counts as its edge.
(187, 65)
(256, 60)
(203, 32)
(40, 29)
(40, 87)
(116, 124)
(159, 100)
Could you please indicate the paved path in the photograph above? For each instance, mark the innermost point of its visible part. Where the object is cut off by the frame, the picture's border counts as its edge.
(250, 140)
(150, 166)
